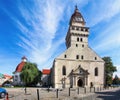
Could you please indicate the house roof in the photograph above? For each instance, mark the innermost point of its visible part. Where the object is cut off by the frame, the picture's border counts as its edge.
(46, 71)
(20, 67)
(8, 76)
(5, 76)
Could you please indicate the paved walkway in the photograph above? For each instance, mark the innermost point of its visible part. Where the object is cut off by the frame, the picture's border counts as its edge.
(113, 94)
(19, 94)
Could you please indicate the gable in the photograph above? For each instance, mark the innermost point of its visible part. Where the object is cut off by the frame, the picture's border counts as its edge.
(46, 71)
(85, 54)
(79, 71)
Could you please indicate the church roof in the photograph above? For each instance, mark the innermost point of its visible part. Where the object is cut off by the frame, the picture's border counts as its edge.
(77, 14)
(20, 66)
(46, 71)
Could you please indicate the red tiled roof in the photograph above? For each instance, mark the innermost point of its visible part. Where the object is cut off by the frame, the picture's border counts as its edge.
(7, 76)
(46, 71)
(20, 66)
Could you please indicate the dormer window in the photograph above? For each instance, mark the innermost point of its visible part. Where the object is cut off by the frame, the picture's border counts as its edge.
(78, 19)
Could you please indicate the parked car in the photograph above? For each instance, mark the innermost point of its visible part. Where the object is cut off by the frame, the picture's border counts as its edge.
(3, 92)
(8, 85)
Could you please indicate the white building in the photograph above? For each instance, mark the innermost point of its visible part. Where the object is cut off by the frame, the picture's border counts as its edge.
(16, 77)
(45, 77)
(4, 78)
(79, 65)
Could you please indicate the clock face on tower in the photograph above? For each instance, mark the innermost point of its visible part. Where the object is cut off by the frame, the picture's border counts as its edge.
(78, 19)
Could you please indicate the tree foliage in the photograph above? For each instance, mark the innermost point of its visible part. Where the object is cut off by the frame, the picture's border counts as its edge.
(30, 74)
(109, 70)
(116, 80)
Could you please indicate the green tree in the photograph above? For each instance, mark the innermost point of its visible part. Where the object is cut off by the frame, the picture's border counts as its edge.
(116, 80)
(37, 79)
(109, 70)
(30, 74)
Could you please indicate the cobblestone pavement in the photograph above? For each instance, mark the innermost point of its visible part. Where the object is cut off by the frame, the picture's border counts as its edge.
(19, 94)
(113, 94)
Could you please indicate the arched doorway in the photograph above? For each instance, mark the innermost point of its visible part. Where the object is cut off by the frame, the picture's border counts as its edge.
(80, 83)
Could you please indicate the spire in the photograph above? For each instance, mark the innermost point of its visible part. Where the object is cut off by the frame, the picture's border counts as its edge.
(77, 17)
(76, 8)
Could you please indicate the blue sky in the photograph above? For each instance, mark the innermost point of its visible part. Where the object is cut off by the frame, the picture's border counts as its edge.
(37, 29)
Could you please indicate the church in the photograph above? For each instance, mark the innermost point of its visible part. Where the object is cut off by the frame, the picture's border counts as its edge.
(79, 65)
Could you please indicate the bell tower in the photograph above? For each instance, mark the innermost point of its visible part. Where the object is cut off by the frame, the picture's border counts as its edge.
(77, 34)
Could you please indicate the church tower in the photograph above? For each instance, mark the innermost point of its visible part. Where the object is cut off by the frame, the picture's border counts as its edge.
(77, 33)
(78, 65)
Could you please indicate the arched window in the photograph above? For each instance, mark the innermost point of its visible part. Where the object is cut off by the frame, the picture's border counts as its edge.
(65, 56)
(76, 45)
(82, 57)
(82, 45)
(81, 39)
(77, 56)
(95, 58)
(96, 71)
(64, 70)
(77, 39)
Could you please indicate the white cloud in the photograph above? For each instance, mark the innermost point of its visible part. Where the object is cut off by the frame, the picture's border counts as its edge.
(109, 42)
(44, 22)
(40, 24)
(109, 38)
(103, 10)
(118, 71)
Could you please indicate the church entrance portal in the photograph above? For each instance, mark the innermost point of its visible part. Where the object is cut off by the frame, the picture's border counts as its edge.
(80, 83)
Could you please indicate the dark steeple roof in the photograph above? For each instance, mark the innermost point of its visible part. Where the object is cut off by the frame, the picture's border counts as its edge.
(77, 14)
